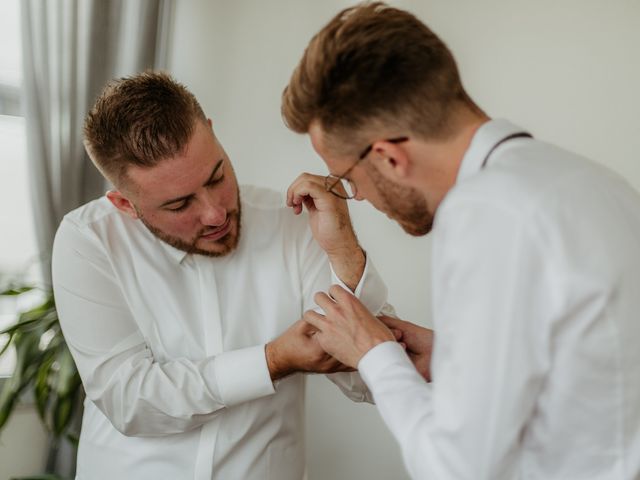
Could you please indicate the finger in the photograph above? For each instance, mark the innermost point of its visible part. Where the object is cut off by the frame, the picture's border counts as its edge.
(303, 185)
(315, 319)
(339, 294)
(306, 328)
(291, 190)
(308, 202)
(308, 185)
(297, 207)
(303, 177)
(391, 322)
(325, 302)
(294, 199)
(345, 368)
(333, 365)
(396, 333)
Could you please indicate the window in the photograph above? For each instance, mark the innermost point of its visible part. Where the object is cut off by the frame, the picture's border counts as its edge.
(18, 250)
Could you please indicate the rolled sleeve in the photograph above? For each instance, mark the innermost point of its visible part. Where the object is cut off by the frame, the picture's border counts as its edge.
(371, 290)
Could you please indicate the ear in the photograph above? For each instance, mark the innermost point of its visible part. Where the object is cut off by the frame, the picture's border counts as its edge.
(121, 203)
(392, 160)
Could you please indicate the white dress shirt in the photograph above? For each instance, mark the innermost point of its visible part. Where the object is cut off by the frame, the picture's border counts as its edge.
(170, 346)
(536, 363)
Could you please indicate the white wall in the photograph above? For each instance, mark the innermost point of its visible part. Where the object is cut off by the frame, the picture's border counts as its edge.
(23, 444)
(568, 71)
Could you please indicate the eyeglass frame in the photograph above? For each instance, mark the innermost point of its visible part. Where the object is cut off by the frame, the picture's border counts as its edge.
(338, 179)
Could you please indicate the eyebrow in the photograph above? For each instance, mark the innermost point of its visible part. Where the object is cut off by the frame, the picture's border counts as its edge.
(209, 180)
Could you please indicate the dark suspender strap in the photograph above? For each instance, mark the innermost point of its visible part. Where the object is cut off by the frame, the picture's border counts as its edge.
(505, 139)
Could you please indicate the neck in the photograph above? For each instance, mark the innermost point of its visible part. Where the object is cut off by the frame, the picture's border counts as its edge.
(445, 158)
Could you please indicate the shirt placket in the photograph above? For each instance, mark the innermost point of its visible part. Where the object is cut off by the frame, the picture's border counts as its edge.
(212, 327)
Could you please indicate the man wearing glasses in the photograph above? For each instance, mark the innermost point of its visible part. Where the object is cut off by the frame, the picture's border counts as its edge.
(535, 258)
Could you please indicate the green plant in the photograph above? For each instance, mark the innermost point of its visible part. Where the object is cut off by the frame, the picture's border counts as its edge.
(44, 369)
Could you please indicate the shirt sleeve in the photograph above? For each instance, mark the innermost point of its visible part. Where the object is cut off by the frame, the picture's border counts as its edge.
(491, 299)
(371, 290)
(139, 395)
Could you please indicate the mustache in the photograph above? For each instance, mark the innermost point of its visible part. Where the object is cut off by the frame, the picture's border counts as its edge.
(231, 215)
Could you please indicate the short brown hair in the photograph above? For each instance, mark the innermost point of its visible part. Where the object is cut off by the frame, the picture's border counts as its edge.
(139, 120)
(374, 65)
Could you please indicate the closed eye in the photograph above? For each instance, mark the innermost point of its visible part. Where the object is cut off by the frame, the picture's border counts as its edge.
(180, 207)
(214, 181)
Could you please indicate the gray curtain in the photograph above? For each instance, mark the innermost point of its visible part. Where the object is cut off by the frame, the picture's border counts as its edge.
(71, 49)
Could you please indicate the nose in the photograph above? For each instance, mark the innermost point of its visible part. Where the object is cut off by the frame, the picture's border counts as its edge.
(212, 214)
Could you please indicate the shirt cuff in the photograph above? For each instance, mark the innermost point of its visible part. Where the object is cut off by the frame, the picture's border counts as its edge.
(373, 364)
(242, 375)
(371, 290)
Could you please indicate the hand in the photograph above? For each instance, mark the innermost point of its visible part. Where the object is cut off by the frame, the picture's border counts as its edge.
(297, 350)
(347, 330)
(330, 224)
(418, 342)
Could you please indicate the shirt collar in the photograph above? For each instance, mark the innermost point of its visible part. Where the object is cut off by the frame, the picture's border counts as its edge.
(484, 139)
(174, 253)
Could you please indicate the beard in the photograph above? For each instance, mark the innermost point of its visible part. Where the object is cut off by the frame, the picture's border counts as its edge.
(226, 244)
(405, 205)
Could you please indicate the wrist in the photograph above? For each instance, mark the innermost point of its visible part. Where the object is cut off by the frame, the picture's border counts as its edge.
(276, 361)
(353, 257)
(349, 266)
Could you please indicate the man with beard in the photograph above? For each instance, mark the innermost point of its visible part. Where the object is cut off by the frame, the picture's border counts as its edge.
(178, 292)
(536, 265)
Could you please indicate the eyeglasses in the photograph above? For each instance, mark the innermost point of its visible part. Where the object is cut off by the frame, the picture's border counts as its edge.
(346, 189)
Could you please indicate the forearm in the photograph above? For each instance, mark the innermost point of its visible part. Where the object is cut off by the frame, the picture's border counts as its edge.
(348, 265)
(370, 289)
(143, 397)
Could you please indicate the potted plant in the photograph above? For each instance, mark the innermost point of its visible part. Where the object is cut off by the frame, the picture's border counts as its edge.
(44, 371)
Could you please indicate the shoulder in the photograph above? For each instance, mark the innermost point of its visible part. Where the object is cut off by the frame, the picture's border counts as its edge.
(80, 238)
(93, 226)
(84, 219)
(261, 198)
(528, 179)
(266, 217)
(89, 213)
(264, 205)
(540, 194)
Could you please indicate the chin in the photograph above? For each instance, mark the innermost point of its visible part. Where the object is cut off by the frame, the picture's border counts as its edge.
(221, 247)
(415, 230)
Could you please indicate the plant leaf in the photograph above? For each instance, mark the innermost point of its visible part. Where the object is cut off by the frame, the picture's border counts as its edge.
(6, 345)
(68, 377)
(44, 366)
(16, 291)
(42, 389)
(18, 326)
(7, 403)
(61, 414)
(74, 439)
